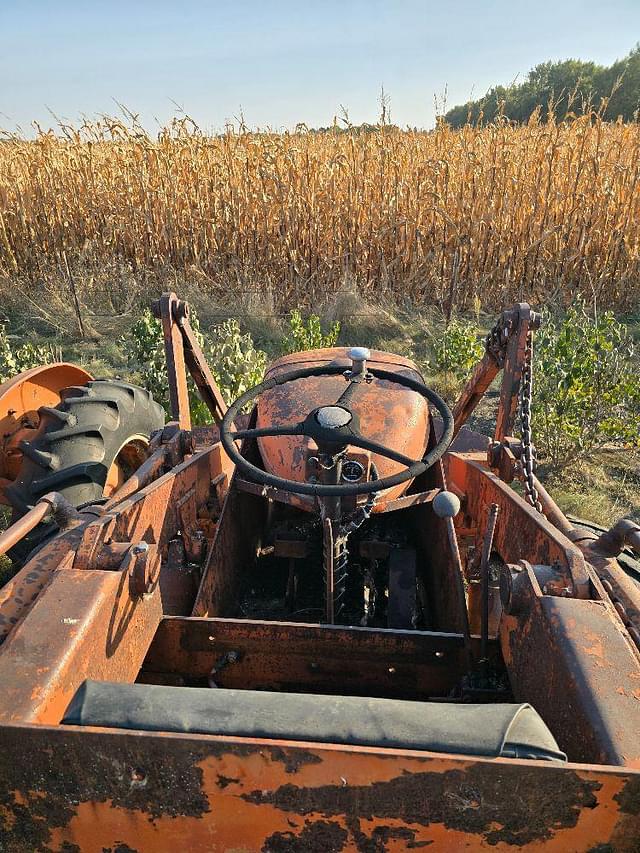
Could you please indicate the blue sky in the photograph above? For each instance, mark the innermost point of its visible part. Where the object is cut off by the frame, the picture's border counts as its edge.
(284, 62)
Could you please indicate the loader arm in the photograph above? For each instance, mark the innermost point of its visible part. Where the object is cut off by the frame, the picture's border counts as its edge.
(183, 352)
(505, 350)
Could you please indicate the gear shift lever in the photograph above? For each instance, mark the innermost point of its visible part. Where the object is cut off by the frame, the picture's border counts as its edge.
(358, 356)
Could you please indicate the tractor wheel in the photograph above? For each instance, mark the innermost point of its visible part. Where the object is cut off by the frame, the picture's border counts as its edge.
(84, 448)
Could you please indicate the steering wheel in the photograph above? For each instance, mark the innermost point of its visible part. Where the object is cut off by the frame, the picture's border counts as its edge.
(333, 427)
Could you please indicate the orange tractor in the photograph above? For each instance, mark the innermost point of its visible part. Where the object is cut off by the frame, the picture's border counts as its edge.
(325, 622)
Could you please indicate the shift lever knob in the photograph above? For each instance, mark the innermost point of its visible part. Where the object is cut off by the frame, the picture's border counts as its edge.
(446, 504)
(358, 356)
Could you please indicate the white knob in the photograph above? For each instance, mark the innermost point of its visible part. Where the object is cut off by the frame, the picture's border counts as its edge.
(359, 353)
(446, 504)
(358, 356)
(333, 417)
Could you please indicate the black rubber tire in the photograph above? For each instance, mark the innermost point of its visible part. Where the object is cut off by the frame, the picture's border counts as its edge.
(76, 444)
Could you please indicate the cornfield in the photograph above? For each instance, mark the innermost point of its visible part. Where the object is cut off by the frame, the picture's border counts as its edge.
(478, 215)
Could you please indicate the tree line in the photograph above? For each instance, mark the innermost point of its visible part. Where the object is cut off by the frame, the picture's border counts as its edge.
(571, 87)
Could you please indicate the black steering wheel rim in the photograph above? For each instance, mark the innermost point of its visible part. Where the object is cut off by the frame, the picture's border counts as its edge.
(413, 468)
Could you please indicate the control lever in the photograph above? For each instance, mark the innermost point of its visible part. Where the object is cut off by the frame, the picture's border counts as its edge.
(359, 357)
(446, 505)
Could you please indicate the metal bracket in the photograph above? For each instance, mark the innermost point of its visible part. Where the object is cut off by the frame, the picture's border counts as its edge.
(521, 320)
(504, 350)
(503, 456)
(183, 351)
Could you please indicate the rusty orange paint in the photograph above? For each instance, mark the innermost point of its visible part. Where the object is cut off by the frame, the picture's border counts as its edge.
(93, 629)
(150, 514)
(523, 531)
(74, 614)
(389, 414)
(157, 792)
(306, 657)
(21, 591)
(39, 386)
(20, 399)
(63, 586)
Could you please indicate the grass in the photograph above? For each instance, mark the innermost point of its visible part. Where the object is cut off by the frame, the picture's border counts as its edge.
(603, 487)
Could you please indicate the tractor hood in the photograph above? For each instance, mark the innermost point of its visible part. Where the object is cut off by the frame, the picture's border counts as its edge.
(395, 416)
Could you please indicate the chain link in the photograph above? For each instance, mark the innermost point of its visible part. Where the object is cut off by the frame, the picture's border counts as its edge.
(528, 454)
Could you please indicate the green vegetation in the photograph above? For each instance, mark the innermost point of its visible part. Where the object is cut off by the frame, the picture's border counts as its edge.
(458, 347)
(308, 334)
(587, 394)
(14, 358)
(6, 567)
(235, 363)
(571, 87)
(238, 364)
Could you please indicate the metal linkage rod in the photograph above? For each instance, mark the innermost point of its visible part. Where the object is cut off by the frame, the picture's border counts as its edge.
(487, 547)
(446, 505)
(53, 502)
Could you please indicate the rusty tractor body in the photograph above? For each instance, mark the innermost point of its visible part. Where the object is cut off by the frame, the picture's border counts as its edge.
(325, 622)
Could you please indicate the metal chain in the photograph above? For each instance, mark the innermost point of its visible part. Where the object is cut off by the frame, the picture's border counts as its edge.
(528, 454)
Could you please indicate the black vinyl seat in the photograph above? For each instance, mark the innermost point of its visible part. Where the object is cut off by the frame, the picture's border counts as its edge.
(506, 730)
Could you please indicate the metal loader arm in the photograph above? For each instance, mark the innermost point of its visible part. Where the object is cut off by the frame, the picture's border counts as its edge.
(505, 345)
(183, 351)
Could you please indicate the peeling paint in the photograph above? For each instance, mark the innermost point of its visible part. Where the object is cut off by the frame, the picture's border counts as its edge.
(480, 801)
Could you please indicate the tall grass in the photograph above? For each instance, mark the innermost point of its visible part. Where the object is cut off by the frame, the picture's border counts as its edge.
(493, 213)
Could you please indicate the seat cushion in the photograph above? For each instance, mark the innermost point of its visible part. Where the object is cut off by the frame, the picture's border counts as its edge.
(509, 730)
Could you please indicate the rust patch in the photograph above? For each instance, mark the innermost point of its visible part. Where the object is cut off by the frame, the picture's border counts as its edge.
(151, 791)
(377, 842)
(629, 797)
(143, 779)
(127, 773)
(120, 847)
(320, 836)
(294, 759)
(389, 413)
(475, 801)
(224, 781)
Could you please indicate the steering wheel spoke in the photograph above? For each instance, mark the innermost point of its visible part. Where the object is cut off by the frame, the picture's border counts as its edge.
(267, 432)
(347, 395)
(365, 444)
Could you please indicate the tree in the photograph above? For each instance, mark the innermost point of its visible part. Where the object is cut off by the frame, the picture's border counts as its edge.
(568, 87)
